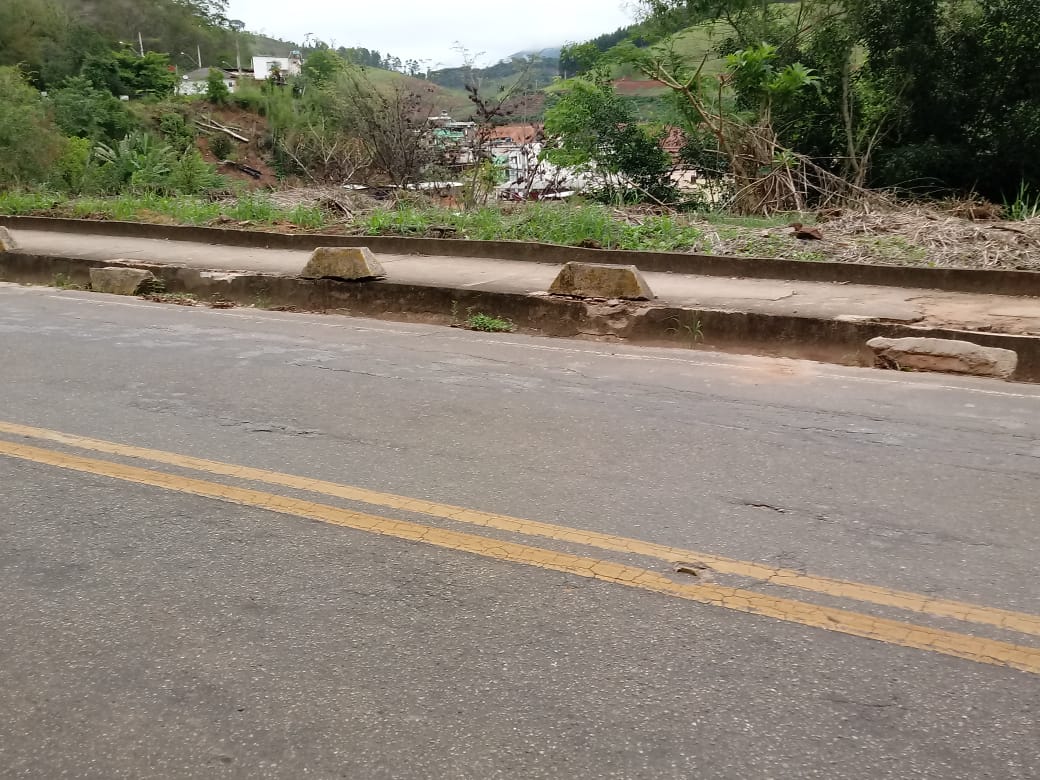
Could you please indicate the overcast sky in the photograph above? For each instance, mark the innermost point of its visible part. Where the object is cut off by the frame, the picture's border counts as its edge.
(429, 29)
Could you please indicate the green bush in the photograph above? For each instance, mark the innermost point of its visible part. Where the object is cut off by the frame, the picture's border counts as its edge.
(141, 164)
(74, 170)
(221, 146)
(176, 131)
(191, 175)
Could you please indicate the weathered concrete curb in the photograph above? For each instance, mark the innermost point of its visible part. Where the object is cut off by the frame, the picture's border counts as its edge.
(830, 341)
(595, 280)
(947, 279)
(7, 242)
(350, 263)
(120, 279)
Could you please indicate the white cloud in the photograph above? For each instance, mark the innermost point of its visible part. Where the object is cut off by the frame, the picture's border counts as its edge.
(428, 30)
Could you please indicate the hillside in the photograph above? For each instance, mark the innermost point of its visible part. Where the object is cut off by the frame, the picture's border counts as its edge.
(538, 71)
(436, 97)
(694, 42)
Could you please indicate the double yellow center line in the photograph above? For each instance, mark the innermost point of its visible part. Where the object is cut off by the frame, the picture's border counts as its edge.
(896, 632)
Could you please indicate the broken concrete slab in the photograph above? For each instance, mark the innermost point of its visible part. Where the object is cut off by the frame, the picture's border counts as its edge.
(120, 280)
(944, 355)
(349, 263)
(7, 242)
(594, 280)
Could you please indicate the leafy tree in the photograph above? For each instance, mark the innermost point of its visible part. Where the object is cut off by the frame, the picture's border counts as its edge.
(596, 130)
(29, 141)
(322, 66)
(82, 110)
(579, 58)
(217, 91)
(938, 92)
(152, 75)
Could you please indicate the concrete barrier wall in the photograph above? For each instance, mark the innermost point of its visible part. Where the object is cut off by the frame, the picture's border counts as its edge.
(809, 338)
(948, 279)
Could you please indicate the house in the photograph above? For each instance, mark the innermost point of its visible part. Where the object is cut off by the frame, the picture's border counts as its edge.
(515, 134)
(194, 82)
(266, 67)
(454, 140)
(528, 176)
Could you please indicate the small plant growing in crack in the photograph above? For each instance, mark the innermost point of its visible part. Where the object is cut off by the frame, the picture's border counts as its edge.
(691, 330)
(489, 324)
(156, 286)
(64, 282)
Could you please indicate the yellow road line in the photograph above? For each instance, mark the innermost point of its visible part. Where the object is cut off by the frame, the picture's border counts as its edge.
(971, 648)
(872, 594)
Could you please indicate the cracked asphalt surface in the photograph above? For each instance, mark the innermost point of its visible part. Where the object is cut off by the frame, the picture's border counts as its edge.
(149, 633)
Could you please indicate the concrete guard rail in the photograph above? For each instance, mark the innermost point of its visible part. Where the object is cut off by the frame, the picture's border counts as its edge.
(991, 282)
(791, 336)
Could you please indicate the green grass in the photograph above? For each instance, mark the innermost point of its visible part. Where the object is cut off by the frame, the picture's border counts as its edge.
(568, 224)
(489, 324)
(17, 204)
(1025, 205)
(182, 210)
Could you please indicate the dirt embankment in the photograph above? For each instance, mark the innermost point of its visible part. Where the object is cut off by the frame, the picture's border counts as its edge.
(253, 154)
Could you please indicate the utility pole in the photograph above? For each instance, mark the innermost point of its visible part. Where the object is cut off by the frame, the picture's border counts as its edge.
(198, 50)
(140, 42)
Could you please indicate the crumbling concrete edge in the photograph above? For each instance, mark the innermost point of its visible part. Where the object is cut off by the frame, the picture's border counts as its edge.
(825, 340)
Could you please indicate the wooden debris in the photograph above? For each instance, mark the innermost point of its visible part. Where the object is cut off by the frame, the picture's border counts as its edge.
(805, 233)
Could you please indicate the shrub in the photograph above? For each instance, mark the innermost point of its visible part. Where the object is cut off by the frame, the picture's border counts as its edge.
(74, 168)
(217, 91)
(191, 175)
(176, 131)
(221, 146)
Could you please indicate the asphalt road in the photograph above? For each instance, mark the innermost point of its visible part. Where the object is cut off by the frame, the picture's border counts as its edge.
(171, 618)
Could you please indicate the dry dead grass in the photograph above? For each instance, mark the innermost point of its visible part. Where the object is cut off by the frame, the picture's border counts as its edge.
(909, 235)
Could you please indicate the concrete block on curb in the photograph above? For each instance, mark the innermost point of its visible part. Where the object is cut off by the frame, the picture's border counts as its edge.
(7, 242)
(119, 280)
(350, 263)
(593, 280)
(946, 356)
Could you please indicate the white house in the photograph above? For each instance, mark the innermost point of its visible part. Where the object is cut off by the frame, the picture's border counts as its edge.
(265, 66)
(528, 176)
(194, 82)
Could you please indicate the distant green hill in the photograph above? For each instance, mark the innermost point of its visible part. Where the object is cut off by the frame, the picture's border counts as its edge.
(538, 71)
